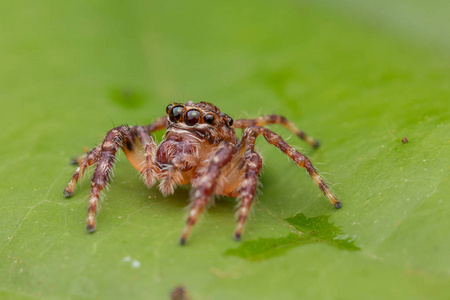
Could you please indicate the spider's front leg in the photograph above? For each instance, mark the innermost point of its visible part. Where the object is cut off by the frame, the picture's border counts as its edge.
(114, 140)
(247, 190)
(132, 140)
(90, 159)
(205, 186)
(300, 159)
(143, 134)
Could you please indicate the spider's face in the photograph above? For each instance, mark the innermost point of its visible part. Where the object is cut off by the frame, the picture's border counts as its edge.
(200, 115)
(203, 118)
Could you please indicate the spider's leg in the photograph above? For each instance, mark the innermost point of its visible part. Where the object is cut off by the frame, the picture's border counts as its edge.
(277, 119)
(79, 159)
(143, 134)
(119, 137)
(247, 190)
(90, 159)
(146, 165)
(148, 168)
(142, 154)
(301, 160)
(205, 186)
(159, 124)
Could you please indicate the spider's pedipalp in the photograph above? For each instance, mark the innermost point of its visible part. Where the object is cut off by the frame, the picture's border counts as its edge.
(172, 174)
(277, 119)
(301, 160)
(170, 178)
(206, 184)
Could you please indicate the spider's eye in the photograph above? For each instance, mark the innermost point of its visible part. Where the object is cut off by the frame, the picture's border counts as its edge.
(176, 113)
(168, 108)
(191, 118)
(209, 118)
(230, 121)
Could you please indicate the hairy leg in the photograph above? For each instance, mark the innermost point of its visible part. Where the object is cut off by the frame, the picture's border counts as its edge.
(142, 154)
(247, 191)
(205, 185)
(276, 119)
(143, 134)
(90, 159)
(159, 124)
(120, 137)
(130, 139)
(149, 169)
(301, 160)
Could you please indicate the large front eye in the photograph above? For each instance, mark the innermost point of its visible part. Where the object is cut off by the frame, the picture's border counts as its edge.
(191, 118)
(176, 113)
(230, 121)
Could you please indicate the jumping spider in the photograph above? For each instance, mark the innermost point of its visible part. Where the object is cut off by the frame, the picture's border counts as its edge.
(201, 148)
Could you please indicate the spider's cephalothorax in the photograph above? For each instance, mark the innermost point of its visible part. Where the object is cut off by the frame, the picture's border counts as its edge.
(201, 148)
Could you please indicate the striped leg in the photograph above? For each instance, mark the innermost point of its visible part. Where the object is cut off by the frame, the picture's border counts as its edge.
(247, 190)
(90, 159)
(277, 119)
(159, 124)
(301, 160)
(149, 169)
(205, 186)
(142, 154)
(120, 137)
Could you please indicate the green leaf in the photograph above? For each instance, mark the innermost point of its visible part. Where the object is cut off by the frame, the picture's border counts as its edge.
(312, 230)
(355, 77)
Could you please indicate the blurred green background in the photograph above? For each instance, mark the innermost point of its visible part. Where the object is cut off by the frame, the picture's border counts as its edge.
(357, 75)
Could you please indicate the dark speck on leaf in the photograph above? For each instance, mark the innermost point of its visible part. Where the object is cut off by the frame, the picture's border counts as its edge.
(404, 140)
(179, 293)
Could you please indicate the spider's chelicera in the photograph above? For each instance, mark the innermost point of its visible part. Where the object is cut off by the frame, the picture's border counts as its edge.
(200, 147)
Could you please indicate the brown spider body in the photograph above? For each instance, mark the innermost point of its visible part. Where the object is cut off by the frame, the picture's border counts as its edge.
(201, 148)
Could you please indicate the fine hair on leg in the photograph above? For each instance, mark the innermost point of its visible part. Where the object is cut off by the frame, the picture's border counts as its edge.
(205, 186)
